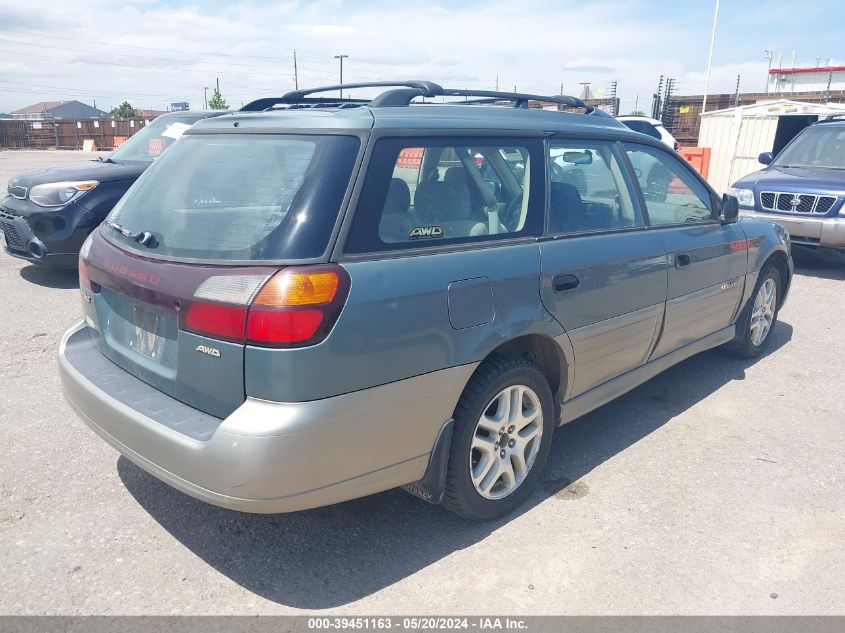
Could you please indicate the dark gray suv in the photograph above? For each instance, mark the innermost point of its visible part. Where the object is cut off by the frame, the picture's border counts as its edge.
(316, 299)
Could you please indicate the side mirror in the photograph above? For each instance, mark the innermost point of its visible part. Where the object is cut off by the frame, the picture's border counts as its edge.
(729, 211)
(765, 158)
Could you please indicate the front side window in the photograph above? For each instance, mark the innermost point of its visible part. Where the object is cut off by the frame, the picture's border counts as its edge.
(443, 191)
(244, 197)
(587, 190)
(673, 195)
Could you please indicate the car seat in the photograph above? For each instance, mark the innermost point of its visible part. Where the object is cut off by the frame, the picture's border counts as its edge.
(446, 204)
(566, 209)
(476, 200)
(395, 222)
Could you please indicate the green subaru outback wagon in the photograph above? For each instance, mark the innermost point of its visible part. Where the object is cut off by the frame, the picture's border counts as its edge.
(320, 298)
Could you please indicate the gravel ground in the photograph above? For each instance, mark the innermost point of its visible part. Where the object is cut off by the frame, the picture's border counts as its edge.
(716, 487)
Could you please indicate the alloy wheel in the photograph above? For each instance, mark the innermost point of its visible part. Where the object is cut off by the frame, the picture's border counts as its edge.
(763, 312)
(506, 441)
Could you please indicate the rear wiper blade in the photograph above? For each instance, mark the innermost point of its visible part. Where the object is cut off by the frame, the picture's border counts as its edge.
(144, 238)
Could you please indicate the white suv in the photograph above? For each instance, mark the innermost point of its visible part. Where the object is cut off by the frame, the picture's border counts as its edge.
(652, 127)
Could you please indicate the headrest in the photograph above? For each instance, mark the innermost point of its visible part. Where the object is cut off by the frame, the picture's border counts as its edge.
(398, 198)
(441, 200)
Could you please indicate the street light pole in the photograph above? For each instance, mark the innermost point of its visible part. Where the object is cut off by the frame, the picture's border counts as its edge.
(710, 58)
(341, 58)
(205, 97)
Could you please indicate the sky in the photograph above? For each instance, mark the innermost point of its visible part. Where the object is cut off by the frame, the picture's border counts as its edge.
(154, 52)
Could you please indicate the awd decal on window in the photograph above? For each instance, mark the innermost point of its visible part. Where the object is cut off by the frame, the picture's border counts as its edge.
(425, 232)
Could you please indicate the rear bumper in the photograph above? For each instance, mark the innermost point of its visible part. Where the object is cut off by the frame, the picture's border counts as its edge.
(824, 232)
(267, 456)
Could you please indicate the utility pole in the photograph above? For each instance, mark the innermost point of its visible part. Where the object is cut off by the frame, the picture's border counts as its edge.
(668, 114)
(497, 83)
(710, 58)
(827, 92)
(768, 55)
(295, 73)
(736, 94)
(655, 102)
(341, 58)
(792, 78)
(586, 92)
(205, 97)
(613, 86)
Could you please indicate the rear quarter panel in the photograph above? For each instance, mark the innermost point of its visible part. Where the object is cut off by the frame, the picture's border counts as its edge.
(397, 323)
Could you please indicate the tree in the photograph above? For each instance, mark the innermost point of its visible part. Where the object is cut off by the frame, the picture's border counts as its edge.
(123, 111)
(217, 102)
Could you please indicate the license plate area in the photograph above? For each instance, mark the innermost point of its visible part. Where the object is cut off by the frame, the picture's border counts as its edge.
(143, 333)
(146, 337)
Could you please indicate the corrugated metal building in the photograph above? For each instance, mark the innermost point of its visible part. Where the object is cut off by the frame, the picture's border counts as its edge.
(737, 136)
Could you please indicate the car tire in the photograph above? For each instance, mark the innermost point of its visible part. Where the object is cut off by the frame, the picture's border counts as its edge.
(497, 453)
(761, 311)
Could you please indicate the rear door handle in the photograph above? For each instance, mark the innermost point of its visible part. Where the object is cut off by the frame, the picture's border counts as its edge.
(681, 260)
(565, 283)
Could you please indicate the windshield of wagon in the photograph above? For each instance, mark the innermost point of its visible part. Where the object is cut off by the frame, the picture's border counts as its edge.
(148, 143)
(821, 146)
(237, 197)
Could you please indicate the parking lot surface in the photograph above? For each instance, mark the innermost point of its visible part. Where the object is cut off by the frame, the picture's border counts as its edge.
(716, 487)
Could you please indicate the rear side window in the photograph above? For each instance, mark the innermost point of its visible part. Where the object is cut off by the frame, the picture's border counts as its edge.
(644, 127)
(588, 190)
(239, 197)
(431, 192)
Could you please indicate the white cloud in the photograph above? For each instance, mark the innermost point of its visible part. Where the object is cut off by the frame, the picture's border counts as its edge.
(532, 44)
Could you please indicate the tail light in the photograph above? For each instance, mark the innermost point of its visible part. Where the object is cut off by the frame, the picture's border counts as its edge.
(294, 307)
(84, 279)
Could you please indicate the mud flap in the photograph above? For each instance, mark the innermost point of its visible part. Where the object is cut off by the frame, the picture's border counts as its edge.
(432, 486)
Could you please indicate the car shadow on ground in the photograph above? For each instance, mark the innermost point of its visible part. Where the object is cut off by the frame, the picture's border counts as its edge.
(332, 556)
(61, 278)
(810, 263)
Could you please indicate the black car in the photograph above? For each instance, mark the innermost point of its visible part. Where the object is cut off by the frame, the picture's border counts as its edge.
(47, 213)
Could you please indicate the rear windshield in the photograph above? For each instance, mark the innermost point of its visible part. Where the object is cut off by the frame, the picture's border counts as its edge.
(238, 197)
(149, 142)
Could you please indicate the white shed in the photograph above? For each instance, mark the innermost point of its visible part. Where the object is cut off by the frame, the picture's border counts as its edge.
(737, 136)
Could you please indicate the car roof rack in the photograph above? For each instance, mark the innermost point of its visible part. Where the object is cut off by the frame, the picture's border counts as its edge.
(402, 93)
(832, 117)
